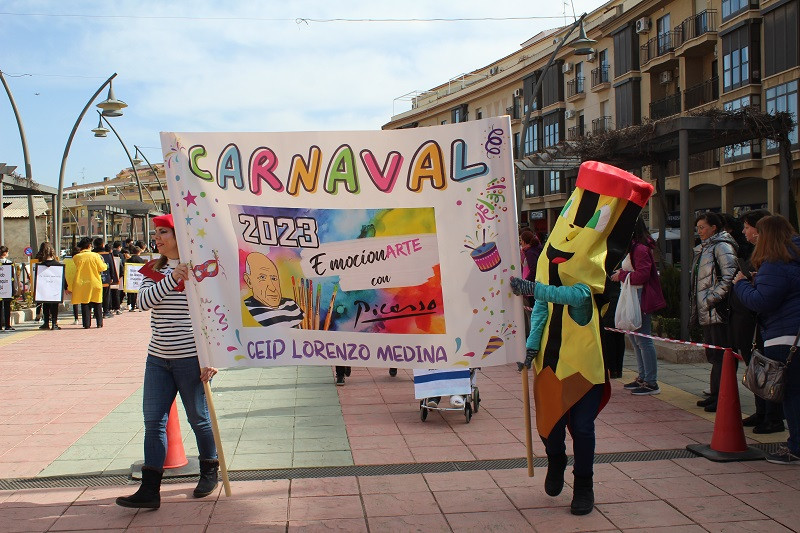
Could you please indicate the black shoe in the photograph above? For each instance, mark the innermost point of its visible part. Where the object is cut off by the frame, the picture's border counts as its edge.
(753, 420)
(44, 326)
(9, 328)
(393, 372)
(635, 384)
(582, 496)
(769, 427)
(149, 494)
(711, 408)
(706, 402)
(209, 469)
(554, 481)
(339, 381)
(56, 327)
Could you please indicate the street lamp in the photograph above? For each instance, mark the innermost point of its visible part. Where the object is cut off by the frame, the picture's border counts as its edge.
(28, 172)
(98, 132)
(138, 161)
(111, 105)
(583, 46)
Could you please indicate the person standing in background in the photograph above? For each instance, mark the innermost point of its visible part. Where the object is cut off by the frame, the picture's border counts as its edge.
(47, 257)
(5, 303)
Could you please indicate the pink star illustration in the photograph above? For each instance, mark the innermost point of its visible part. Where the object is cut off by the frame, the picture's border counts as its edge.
(190, 199)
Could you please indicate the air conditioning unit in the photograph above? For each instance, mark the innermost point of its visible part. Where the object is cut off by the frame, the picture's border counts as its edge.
(569, 113)
(518, 93)
(567, 68)
(665, 77)
(493, 70)
(591, 57)
(643, 25)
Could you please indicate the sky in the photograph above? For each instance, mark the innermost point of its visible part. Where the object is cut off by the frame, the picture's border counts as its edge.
(207, 65)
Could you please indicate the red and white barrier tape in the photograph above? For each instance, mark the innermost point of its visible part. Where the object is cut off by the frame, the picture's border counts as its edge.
(675, 341)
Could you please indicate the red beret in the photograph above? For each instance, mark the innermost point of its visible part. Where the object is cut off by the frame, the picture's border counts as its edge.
(164, 221)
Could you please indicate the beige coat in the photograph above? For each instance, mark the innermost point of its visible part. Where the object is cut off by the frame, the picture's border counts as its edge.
(84, 281)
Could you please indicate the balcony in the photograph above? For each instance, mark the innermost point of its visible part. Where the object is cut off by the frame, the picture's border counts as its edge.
(600, 79)
(666, 107)
(575, 87)
(701, 24)
(575, 132)
(701, 94)
(658, 46)
(697, 163)
(601, 124)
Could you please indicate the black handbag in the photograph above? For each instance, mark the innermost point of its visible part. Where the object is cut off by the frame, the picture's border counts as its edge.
(766, 377)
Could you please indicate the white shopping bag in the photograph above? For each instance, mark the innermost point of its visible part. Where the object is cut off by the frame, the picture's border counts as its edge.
(629, 312)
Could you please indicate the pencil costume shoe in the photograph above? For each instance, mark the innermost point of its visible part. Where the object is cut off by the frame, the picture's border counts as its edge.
(149, 494)
(209, 469)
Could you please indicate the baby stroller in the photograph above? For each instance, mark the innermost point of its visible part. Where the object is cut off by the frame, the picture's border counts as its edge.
(446, 382)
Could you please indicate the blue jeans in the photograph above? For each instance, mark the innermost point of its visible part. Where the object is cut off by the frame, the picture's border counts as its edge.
(163, 379)
(646, 358)
(791, 394)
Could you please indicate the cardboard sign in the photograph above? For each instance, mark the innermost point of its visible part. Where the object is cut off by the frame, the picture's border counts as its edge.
(133, 279)
(6, 287)
(49, 285)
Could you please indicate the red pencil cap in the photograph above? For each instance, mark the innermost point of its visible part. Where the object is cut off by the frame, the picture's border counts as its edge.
(612, 181)
(164, 221)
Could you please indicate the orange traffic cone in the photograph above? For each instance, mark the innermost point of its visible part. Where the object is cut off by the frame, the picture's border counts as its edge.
(728, 442)
(176, 456)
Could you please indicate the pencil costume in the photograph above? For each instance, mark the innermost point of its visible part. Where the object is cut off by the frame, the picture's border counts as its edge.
(588, 240)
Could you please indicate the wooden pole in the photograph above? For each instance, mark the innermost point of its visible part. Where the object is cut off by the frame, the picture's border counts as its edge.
(223, 468)
(526, 406)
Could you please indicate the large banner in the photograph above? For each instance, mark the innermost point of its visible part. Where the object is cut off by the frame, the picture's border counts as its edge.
(48, 283)
(390, 248)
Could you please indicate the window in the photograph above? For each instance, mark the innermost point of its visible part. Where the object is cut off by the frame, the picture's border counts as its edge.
(733, 7)
(532, 138)
(554, 180)
(444, 122)
(459, 114)
(626, 51)
(737, 152)
(664, 35)
(553, 86)
(627, 102)
(736, 66)
(530, 183)
(516, 145)
(780, 39)
(779, 99)
(551, 133)
(478, 113)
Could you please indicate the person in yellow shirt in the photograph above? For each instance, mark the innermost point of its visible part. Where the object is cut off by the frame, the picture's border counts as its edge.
(85, 283)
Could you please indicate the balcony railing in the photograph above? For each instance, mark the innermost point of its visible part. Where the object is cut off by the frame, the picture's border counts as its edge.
(657, 46)
(601, 124)
(671, 105)
(697, 162)
(706, 92)
(600, 75)
(575, 86)
(703, 22)
(574, 133)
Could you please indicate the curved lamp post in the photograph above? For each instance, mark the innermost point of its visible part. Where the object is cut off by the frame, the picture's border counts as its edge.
(138, 161)
(100, 131)
(110, 105)
(28, 172)
(583, 46)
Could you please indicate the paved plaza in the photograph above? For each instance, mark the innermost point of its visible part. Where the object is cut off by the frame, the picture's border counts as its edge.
(305, 455)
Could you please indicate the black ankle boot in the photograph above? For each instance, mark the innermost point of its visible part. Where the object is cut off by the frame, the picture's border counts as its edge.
(554, 481)
(582, 496)
(149, 494)
(208, 478)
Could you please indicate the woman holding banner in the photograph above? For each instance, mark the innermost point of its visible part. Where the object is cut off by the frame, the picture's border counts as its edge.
(5, 303)
(172, 367)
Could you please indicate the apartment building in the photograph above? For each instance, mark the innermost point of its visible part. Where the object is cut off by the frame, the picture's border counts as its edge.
(653, 59)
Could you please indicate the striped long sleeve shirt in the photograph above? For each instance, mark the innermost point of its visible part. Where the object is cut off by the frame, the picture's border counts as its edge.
(171, 325)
